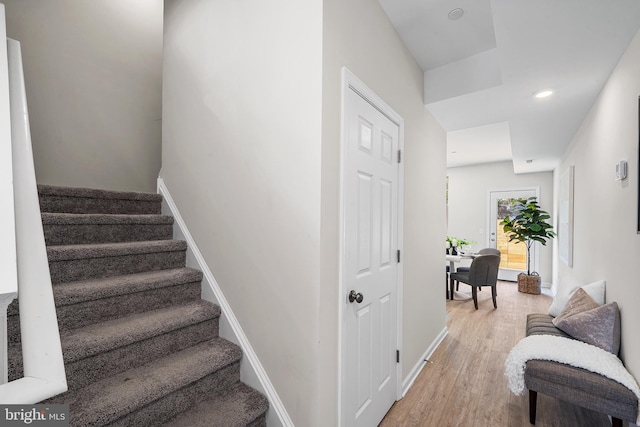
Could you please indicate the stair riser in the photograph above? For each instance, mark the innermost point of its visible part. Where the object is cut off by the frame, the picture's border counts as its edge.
(179, 401)
(94, 268)
(239, 406)
(80, 234)
(90, 312)
(81, 205)
(103, 365)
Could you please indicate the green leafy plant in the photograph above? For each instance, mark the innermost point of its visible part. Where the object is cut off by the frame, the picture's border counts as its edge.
(458, 241)
(528, 226)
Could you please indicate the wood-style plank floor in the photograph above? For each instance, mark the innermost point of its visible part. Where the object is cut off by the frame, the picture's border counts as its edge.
(464, 385)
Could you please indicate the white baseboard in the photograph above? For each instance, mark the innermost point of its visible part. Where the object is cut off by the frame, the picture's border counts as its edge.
(408, 382)
(253, 373)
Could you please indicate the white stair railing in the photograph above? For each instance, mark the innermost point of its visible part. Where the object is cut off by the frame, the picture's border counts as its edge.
(44, 374)
(9, 278)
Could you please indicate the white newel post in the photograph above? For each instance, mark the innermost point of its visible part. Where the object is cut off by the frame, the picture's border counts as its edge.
(8, 271)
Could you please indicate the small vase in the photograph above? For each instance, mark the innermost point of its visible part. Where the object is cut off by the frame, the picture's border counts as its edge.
(454, 251)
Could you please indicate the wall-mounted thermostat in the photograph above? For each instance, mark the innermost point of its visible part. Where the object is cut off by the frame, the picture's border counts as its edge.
(621, 170)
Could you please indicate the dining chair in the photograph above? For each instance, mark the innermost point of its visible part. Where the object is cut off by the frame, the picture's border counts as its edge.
(446, 280)
(484, 251)
(483, 272)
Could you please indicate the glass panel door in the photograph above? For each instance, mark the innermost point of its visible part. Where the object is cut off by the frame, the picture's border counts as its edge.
(513, 258)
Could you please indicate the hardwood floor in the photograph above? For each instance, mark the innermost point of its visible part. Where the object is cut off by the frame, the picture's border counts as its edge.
(465, 383)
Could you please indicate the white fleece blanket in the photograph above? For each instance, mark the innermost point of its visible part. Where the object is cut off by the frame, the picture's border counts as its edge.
(570, 352)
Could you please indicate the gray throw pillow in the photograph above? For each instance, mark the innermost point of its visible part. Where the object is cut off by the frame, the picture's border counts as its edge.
(578, 302)
(595, 290)
(599, 327)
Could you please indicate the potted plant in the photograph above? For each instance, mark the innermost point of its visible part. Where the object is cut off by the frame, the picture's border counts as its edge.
(528, 226)
(455, 244)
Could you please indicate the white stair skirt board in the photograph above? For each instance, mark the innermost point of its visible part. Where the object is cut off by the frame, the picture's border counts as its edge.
(408, 382)
(253, 373)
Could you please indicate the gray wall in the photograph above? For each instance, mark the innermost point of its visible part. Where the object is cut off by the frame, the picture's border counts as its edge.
(605, 238)
(251, 154)
(93, 77)
(468, 187)
(241, 157)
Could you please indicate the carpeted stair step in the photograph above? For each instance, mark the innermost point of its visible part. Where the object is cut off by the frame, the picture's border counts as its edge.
(86, 302)
(78, 229)
(69, 263)
(107, 348)
(95, 201)
(240, 406)
(156, 392)
(96, 351)
(140, 347)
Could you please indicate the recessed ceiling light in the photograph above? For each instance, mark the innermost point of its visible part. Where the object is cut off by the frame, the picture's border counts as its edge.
(544, 93)
(455, 14)
(453, 152)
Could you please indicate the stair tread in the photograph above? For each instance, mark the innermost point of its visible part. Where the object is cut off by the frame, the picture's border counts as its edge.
(99, 250)
(95, 289)
(104, 336)
(238, 407)
(49, 218)
(95, 193)
(107, 400)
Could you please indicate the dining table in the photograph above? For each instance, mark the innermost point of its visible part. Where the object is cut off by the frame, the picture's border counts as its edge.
(453, 259)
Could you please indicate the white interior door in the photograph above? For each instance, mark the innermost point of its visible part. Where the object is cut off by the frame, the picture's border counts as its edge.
(513, 257)
(370, 265)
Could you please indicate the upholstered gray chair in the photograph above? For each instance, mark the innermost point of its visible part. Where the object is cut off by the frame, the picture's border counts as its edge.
(489, 251)
(483, 272)
(484, 251)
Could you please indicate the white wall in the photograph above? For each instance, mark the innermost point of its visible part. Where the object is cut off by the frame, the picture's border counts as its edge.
(251, 153)
(93, 78)
(467, 216)
(606, 244)
(241, 157)
(358, 35)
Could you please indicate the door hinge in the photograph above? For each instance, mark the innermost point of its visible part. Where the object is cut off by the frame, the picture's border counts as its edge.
(397, 356)
(399, 156)
(398, 255)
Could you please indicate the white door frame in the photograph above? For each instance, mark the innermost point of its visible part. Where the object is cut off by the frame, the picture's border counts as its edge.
(352, 83)
(534, 251)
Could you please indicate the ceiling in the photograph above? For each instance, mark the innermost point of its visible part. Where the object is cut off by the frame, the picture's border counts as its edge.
(482, 70)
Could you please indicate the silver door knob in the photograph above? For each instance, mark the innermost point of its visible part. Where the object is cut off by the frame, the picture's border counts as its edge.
(357, 297)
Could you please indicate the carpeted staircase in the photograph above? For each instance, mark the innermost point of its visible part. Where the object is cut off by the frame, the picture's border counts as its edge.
(140, 346)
